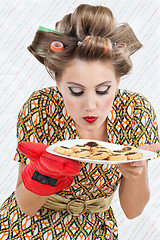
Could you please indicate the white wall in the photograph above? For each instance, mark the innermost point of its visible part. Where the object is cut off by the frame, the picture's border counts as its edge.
(21, 74)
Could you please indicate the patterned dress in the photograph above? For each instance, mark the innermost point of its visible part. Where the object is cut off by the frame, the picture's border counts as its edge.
(44, 119)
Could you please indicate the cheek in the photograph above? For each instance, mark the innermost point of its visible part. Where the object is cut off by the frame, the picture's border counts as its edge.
(107, 103)
(70, 105)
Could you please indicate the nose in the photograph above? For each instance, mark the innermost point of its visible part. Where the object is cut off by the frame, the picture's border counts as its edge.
(90, 103)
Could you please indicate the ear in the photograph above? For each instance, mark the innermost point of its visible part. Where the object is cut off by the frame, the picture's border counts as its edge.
(58, 85)
(57, 78)
(118, 81)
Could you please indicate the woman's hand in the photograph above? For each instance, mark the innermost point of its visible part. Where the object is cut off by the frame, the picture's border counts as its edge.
(135, 169)
(132, 169)
(134, 190)
(46, 173)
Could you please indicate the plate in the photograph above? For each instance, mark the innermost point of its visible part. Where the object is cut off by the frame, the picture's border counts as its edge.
(147, 155)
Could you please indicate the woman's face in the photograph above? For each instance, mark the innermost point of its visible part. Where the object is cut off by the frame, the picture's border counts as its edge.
(88, 89)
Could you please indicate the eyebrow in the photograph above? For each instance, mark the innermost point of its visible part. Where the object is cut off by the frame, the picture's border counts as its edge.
(77, 84)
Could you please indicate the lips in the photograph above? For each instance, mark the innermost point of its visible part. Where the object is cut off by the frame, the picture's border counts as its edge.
(90, 119)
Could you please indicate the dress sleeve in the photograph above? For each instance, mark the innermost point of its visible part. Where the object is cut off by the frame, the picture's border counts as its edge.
(144, 123)
(32, 123)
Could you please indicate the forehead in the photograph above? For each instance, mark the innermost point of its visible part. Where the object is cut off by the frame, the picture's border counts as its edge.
(84, 72)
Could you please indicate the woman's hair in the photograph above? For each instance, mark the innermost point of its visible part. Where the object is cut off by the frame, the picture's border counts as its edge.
(96, 22)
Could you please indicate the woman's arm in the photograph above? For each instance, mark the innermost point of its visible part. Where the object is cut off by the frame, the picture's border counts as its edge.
(134, 188)
(28, 201)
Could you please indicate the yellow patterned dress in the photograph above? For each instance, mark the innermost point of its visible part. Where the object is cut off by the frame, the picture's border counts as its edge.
(44, 119)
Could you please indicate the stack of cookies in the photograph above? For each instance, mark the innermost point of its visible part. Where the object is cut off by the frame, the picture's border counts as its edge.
(96, 151)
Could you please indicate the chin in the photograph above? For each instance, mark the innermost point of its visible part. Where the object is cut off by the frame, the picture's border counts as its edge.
(91, 127)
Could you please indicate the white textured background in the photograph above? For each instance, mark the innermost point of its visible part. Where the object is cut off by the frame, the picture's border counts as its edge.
(21, 74)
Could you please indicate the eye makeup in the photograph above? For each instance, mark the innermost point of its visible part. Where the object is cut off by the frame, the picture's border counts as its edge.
(100, 90)
(77, 89)
(74, 92)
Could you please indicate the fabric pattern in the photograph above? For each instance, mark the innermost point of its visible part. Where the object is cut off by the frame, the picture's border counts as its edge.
(44, 119)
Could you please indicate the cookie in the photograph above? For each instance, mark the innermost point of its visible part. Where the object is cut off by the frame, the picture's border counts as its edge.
(117, 152)
(99, 155)
(128, 149)
(63, 150)
(77, 148)
(133, 155)
(117, 157)
(103, 149)
(93, 144)
(81, 154)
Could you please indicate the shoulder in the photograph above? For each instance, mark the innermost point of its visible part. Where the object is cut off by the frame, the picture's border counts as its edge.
(46, 93)
(127, 98)
(125, 95)
(42, 99)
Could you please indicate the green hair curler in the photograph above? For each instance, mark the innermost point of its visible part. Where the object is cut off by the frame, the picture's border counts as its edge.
(48, 30)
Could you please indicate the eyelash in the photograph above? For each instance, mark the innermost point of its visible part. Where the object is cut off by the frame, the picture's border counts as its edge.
(103, 92)
(80, 93)
(75, 93)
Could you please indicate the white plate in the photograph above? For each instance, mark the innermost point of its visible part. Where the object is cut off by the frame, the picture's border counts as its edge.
(69, 143)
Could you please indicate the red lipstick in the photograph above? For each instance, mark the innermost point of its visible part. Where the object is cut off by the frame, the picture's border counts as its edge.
(90, 119)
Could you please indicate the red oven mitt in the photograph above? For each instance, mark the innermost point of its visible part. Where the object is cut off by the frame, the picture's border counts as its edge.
(46, 173)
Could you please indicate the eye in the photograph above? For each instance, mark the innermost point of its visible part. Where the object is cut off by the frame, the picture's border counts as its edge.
(103, 90)
(75, 91)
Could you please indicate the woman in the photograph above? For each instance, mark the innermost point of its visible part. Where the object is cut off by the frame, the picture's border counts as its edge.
(88, 54)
